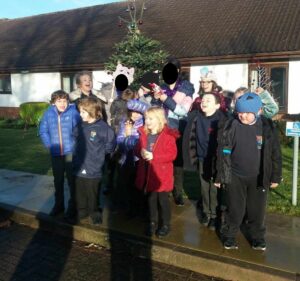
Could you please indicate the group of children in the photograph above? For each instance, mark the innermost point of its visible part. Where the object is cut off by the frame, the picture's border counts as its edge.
(233, 146)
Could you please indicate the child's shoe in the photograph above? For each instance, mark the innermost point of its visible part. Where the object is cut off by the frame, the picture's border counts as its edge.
(259, 244)
(163, 231)
(212, 224)
(204, 219)
(150, 230)
(230, 244)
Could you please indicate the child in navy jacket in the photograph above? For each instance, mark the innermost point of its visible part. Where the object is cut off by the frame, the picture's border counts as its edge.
(56, 134)
(93, 140)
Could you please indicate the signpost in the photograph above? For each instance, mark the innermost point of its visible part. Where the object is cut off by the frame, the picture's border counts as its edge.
(293, 130)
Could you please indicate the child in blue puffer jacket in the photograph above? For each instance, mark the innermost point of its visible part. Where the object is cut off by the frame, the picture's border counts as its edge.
(56, 133)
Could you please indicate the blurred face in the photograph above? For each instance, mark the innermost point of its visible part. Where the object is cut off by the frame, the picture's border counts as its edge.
(208, 105)
(246, 118)
(85, 116)
(86, 84)
(152, 123)
(207, 86)
(135, 116)
(61, 104)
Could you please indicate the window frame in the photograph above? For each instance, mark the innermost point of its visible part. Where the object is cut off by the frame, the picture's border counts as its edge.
(68, 74)
(6, 92)
(268, 67)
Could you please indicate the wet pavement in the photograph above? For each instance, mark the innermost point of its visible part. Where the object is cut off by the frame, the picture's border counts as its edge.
(35, 193)
(35, 255)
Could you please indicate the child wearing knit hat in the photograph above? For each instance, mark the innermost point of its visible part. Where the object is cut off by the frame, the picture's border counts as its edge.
(248, 164)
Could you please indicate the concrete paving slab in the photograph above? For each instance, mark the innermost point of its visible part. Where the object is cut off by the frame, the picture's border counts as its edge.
(197, 244)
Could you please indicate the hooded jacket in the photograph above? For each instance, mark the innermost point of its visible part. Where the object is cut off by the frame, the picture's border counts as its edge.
(157, 175)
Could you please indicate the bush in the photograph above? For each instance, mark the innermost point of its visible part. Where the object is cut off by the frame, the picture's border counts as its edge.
(32, 112)
(12, 123)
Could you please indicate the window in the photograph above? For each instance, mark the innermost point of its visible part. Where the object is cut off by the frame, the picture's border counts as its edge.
(68, 82)
(5, 84)
(272, 77)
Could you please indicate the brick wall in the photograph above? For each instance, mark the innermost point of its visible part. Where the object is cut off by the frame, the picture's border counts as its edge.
(9, 112)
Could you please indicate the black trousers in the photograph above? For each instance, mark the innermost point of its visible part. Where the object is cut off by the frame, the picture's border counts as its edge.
(243, 196)
(159, 207)
(60, 166)
(178, 171)
(87, 197)
(209, 194)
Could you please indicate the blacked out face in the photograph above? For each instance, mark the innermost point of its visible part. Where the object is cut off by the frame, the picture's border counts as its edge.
(121, 82)
(170, 73)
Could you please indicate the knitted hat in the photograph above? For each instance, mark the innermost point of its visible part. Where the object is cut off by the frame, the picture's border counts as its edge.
(248, 102)
(136, 105)
(207, 75)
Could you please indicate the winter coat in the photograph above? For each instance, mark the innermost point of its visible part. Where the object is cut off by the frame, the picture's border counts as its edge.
(77, 95)
(56, 130)
(157, 175)
(179, 104)
(118, 111)
(271, 170)
(92, 142)
(270, 107)
(206, 139)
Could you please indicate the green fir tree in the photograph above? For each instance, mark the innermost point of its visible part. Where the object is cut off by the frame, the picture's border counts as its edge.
(140, 52)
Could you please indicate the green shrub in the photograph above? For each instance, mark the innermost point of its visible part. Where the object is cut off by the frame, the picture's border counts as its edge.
(12, 123)
(32, 112)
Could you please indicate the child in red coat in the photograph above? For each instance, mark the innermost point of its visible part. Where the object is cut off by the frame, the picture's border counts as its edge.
(157, 150)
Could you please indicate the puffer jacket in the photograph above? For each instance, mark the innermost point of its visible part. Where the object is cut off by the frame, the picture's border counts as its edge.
(56, 129)
(271, 169)
(157, 175)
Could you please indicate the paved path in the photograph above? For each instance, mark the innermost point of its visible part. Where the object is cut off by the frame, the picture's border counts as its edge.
(34, 255)
(35, 193)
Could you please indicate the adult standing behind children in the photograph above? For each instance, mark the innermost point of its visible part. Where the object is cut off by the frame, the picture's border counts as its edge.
(176, 98)
(84, 82)
(56, 133)
(249, 163)
(156, 150)
(93, 140)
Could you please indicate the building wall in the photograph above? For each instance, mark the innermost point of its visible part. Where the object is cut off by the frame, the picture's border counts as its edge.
(294, 88)
(230, 76)
(31, 87)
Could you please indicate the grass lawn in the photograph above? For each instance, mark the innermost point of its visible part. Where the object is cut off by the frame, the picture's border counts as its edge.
(23, 151)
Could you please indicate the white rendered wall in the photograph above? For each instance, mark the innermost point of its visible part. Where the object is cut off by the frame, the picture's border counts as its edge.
(31, 87)
(230, 76)
(294, 88)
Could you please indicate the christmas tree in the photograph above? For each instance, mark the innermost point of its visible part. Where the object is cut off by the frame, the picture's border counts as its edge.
(136, 50)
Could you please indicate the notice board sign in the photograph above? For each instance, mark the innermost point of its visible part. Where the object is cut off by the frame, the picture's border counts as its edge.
(292, 129)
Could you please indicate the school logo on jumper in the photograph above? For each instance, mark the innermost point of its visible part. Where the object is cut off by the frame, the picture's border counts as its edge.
(93, 135)
(83, 172)
(259, 142)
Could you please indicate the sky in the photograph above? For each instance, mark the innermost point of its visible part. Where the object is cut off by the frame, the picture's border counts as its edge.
(22, 8)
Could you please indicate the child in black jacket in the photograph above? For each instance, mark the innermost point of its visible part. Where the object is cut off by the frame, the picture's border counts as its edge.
(249, 163)
(93, 140)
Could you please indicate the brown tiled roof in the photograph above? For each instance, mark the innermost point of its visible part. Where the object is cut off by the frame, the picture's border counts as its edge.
(188, 29)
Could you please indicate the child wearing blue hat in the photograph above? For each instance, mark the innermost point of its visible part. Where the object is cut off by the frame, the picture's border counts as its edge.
(248, 164)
